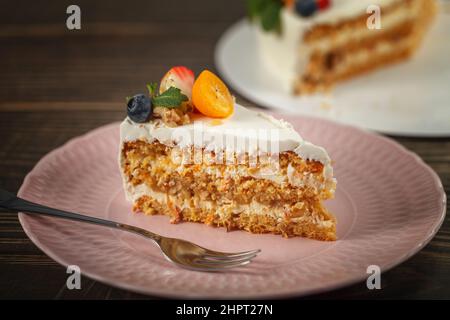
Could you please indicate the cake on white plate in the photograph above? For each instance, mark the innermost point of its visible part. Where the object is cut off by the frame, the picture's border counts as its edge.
(192, 153)
(314, 44)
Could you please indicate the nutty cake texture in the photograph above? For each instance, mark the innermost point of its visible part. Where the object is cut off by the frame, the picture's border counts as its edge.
(214, 194)
(175, 116)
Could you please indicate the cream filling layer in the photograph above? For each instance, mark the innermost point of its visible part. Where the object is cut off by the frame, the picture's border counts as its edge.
(362, 56)
(389, 20)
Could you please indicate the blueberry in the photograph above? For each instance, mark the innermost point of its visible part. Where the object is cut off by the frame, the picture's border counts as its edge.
(139, 108)
(306, 8)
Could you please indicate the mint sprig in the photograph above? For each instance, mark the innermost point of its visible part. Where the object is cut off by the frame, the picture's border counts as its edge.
(255, 7)
(171, 98)
(152, 87)
(268, 13)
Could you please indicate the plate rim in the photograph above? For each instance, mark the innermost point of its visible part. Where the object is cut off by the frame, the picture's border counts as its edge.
(162, 292)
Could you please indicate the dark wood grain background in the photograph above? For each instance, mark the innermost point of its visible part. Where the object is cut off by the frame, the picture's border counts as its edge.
(56, 84)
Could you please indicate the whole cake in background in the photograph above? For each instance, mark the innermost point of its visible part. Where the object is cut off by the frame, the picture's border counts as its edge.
(314, 44)
(187, 150)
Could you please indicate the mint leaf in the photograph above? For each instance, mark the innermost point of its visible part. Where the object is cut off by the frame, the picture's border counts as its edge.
(171, 98)
(270, 16)
(152, 87)
(256, 7)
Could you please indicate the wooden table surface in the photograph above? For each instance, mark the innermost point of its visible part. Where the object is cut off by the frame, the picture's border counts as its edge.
(56, 84)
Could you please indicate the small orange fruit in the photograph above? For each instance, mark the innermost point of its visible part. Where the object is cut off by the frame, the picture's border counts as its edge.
(289, 3)
(211, 96)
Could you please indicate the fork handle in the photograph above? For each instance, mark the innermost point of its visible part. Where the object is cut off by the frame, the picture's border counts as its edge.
(10, 201)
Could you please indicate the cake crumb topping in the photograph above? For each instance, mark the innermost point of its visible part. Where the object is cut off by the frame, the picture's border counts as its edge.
(174, 117)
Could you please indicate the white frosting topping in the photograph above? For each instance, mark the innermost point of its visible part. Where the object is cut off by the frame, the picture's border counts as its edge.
(343, 9)
(244, 131)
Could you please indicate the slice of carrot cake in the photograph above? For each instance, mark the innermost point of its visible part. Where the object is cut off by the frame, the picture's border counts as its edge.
(313, 44)
(190, 152)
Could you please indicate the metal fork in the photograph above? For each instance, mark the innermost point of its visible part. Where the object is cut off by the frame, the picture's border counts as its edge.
(181, 252)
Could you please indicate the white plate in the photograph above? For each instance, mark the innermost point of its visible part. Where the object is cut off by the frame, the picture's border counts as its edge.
(411, 98)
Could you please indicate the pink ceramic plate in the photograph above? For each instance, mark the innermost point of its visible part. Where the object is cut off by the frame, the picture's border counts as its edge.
(388, 204)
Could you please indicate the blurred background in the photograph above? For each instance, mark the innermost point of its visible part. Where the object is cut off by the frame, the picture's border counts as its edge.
(56, 84)
(122, 45)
